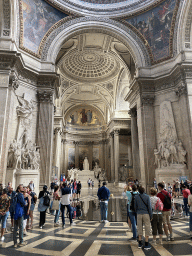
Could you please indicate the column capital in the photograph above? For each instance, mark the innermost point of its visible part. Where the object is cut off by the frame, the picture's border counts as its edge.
(132, 112)
(90, 143)
(45, 96)
(147, 99)
(116, 132)
(57, 130)
(76, 143)
(181, 89)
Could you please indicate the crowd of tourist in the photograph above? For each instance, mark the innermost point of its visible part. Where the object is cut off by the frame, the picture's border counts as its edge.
(153, 211)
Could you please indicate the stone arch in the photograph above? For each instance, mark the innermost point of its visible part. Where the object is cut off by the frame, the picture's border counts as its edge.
(63, 31)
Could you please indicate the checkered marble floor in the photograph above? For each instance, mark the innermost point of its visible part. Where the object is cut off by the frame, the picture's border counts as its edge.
(91, 238)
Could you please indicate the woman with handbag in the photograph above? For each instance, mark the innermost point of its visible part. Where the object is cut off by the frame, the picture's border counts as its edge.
(56, 205)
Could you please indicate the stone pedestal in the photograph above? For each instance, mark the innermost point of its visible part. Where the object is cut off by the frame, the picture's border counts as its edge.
(11, 177)
(25, 176)
(168, 174)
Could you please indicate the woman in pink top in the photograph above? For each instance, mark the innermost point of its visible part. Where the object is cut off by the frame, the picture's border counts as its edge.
(186, 193)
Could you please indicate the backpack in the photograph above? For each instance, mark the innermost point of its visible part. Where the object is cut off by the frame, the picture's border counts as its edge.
(19, 211)
(132, 204)
(46, 199)
(167, 201)
(159, 205)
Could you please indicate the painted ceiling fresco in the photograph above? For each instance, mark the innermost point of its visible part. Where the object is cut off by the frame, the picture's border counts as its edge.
(155, 26)
(84, 116)
(38, 18)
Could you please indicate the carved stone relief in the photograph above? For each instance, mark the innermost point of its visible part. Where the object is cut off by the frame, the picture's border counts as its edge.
(170, 151)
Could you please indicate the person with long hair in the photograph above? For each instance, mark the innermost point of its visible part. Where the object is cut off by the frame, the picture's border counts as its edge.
(56, 197)
(4, 211)
(33, 202)
(27, 207)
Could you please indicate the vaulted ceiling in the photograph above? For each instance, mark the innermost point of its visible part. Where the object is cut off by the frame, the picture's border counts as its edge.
(95, 70)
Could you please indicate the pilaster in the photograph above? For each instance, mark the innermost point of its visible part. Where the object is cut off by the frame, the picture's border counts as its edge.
(116, 154)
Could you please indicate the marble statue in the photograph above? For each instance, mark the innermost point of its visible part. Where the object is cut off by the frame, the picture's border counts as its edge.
(73, 174)
(181, 153)
(17, 156)
(157, 158)
(173, 153)
(85, 164)
(11, 154)
(97, 170)
(102, 176)
(25, 107)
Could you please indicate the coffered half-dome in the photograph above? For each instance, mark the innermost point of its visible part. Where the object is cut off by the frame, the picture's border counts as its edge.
(88, 65)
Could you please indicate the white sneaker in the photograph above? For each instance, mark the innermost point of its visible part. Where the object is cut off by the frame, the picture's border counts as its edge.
(2, 238)
(40, 227)
(73, 224)
(106, 221)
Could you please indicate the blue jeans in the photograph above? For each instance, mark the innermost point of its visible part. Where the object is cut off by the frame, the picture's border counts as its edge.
(63, 213)
(190, 222)
(185, 201)
(104, 210)
(57, 214)
(133, 218)
(4, 219)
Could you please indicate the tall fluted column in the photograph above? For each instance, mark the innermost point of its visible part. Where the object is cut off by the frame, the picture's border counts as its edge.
(102, 162)
(90, 157)
(112, 157)
(130, 152)
(57, 149)
(135, 144)
(8, 83)
(76, 154)
(45, 134)
(116, 154)
(106, 157)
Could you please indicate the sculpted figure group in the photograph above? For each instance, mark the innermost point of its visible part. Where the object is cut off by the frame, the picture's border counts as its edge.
(23, 157)
(169, 153)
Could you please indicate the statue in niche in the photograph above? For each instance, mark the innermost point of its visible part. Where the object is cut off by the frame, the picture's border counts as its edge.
(157, 158)
(11, 154)
(85, 164)
(181, 153)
